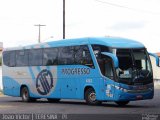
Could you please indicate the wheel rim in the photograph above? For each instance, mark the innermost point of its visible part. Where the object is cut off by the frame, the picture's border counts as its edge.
(25, 95)
(92, 97)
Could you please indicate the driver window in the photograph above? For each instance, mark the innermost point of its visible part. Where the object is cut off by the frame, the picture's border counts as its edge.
(106, 66)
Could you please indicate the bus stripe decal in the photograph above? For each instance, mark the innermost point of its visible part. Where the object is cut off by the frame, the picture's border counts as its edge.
(45, 88)
(48, 67)
(45, 82)
(32, 74)
(42, 83)
(47, 85)
(38, 68)
(31, 71)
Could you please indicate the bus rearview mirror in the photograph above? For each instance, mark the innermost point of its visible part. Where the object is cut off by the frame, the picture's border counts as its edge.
(156, 57)
(113, 57)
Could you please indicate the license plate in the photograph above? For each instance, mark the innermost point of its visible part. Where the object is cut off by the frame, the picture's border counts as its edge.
(141, 87)
(139, 97)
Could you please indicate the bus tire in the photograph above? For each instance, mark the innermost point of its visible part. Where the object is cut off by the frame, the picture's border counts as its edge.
(25, 94)
(122, 103)
(53, 100)
(90, 97)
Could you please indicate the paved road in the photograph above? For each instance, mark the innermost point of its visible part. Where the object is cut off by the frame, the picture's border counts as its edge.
(14, 105)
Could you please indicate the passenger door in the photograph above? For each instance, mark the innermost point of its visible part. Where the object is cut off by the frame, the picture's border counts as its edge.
(110, 86)
(110, 62)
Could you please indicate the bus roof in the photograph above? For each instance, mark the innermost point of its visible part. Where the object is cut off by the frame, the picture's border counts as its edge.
(114, 42)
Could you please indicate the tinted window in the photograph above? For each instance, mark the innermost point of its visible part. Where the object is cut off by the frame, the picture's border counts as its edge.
(124, 58)
(22, 58)
(35, 57)
(9, 58)
(82, 55)
(6, 58)
(66, 56)
(50, 56)
(79, 55)
(97, 49)
(12, 59)
(108, 68)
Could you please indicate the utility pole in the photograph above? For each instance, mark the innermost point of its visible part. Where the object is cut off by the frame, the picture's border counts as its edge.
(63, 19)
(39, 35)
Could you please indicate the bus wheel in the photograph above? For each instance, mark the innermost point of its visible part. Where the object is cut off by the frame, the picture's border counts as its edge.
(90, 97)
(122, 103)
(54, 100)
(25, 94)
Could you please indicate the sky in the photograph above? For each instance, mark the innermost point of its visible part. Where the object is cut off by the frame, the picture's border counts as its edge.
(133, 19)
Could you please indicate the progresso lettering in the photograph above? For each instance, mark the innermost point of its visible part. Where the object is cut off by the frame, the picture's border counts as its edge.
(76, 71)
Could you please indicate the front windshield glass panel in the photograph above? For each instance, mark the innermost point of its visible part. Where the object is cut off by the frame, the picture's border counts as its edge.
(125, 63)
(141, 60)
(134, 66)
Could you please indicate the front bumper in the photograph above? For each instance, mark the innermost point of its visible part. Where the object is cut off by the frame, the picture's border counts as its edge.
(122, 92)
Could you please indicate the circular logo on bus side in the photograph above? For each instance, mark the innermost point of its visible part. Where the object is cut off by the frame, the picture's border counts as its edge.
(44, 82)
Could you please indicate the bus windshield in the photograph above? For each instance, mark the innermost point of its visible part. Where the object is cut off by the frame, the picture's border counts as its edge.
(134, 66)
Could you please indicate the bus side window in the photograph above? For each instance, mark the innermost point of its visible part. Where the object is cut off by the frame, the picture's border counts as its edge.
(87, 60)
(6, 58)
(82, 56)
(35, 57)
(78, 55)
(66, 56)
(9, 58)
(12, 59)
(109, 68)
(50, 56)
(22, 58)
(97, 51)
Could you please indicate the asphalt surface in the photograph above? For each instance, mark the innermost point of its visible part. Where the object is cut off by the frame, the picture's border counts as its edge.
(14, 105)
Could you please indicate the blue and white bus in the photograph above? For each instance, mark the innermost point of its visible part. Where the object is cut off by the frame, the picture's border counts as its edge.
(94, 69)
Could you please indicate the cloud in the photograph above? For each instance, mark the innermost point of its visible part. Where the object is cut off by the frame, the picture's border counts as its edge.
(128, 25)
